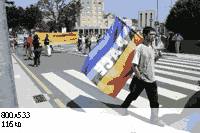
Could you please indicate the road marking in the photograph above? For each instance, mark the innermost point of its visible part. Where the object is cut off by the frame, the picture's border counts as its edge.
(38, 81)
(64, 86)
(166, 93)
(183, 76)
(139, 103)
(183, 59)
(60, 103)
(179, 61)
(186, 66)
(177, 83)
(178, 69)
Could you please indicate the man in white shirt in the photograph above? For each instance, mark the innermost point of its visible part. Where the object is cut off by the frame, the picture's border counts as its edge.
(143, 65)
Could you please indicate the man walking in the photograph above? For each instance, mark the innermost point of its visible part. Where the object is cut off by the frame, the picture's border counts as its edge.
(48, 49)
(143, 66)
(29, 46)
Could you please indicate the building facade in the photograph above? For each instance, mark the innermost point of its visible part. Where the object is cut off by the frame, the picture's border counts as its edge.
(93, 19)
(144, 18)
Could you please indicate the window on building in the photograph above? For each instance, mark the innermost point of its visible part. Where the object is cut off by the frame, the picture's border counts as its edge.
(88, 12)
(82, 2)
(83, 7)
(88, 7)
(99, 3)
(146, 19)
(151, 15)
(99, 12)
(99, 7)
(88, 2)
(88, 21)
(83, 21)
(95, 8)
(94, 2)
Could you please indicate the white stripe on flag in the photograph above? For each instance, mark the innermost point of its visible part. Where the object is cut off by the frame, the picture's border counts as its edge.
(179, 61)
(64, 86)
(177, 69)
(166, 93)
(185, 60)
(177, 75)
(186, 66)
(139, 103)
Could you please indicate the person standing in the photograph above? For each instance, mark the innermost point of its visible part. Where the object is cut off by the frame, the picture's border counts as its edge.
(29, 46)
(47, 47)
(79, 43)
(144, 78)
(37, 51)
(88, 43)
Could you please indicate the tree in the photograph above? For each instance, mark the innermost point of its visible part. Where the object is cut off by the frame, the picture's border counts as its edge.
(54, 9)
(52, 25)
(33, 17)
(12, 14)
(74, 7)
(43, 27)
(60, 13)
(184, 19)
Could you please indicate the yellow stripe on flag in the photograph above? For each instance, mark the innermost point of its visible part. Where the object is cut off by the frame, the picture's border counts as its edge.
(118, 67)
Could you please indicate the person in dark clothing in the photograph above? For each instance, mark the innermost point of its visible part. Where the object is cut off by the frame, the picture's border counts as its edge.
(37, 51)
(79, 43)
(88, 42)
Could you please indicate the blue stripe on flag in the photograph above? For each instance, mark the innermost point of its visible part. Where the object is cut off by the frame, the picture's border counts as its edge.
(91, 74)
(102, 48)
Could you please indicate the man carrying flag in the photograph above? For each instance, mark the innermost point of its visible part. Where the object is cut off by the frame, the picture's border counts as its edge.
(143, 66)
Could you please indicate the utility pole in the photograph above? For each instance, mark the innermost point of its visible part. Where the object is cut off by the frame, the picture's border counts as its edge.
(8, 97)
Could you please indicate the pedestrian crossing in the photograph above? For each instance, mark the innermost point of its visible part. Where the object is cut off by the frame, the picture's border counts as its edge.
(163, 66)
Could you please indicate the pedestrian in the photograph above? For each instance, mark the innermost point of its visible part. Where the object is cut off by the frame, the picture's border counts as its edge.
(37, 51)
(25, 46)
(29, 46)
(47, 47)
(88, 42)
(144, 78)
(79, 43)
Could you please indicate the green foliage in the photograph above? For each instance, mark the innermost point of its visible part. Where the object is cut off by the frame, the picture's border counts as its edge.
(184, 19)
(33, 16)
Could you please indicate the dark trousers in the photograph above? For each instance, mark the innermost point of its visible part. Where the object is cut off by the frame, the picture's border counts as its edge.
(88, 45)
(29, 51)
(138, 87)
(37, 58)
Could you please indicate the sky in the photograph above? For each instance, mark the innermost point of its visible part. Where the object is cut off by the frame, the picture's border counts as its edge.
(124, 8)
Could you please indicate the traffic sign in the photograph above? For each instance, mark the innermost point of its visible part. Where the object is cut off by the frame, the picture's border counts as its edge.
(37, 28)
(150, 19)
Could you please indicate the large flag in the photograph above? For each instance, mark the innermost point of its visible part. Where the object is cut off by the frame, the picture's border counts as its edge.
(109, 63)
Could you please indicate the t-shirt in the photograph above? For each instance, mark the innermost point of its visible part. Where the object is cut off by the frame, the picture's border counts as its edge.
(30, 40)
(144, 57)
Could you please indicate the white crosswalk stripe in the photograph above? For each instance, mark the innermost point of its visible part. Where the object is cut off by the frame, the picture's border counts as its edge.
(179, 65)
(177, 81)
(177, 61)
(183, 59)
(177, 69)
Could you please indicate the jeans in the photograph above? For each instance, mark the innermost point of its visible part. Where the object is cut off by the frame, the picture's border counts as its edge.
(138, 87)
